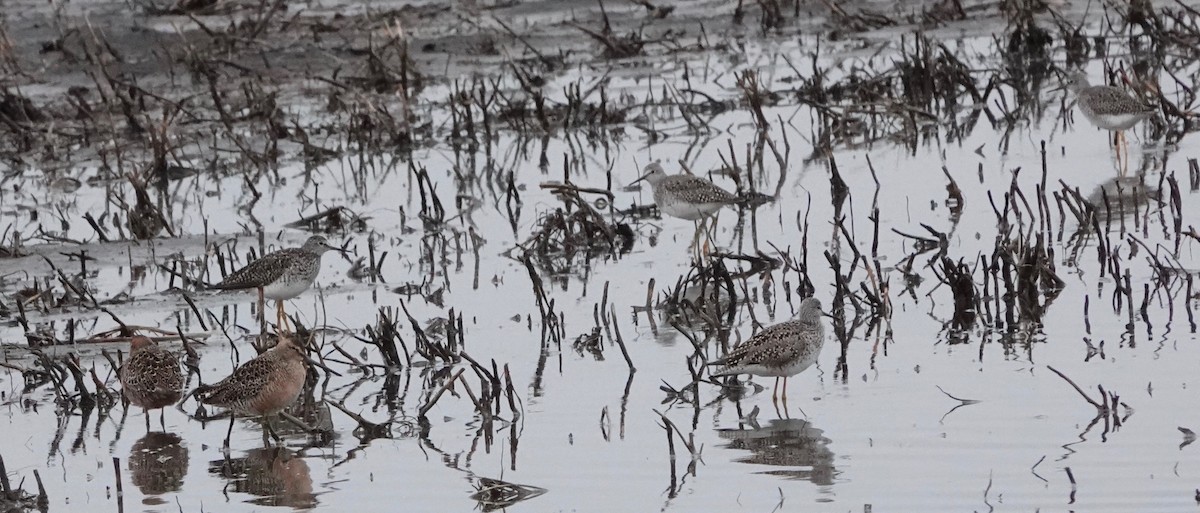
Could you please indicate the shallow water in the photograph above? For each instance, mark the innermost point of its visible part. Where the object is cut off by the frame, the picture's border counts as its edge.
(883, 437)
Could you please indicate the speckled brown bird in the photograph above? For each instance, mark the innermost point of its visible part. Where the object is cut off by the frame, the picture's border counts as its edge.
(782, 350)
(1108, 107)
(686, 196)
(281, 275)
(151, 378)
(262, 386)
(145, 220)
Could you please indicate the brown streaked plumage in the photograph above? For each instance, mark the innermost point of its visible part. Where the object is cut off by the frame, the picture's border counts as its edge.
(280, 275)
(1108, 107)
(262, 386)
(686, 196)
(782, 350)
(151, 378)
(145, 218)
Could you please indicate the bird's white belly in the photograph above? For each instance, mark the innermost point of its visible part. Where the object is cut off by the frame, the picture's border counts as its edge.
(689, 211)
(1115, 121)
(285, 290)
(791, 369)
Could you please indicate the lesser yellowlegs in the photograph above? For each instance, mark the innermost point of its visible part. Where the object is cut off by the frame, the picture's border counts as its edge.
(262, 386)
(1108, 107)
(782, 350)
(281, 275)
(151, 378)
(685, 196)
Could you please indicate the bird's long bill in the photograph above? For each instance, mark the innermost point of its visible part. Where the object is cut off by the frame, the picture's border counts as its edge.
(643, 177)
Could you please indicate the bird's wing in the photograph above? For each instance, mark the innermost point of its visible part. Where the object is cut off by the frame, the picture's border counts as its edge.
(167, 376)
(705, 190)
(245, 382)
(158, 370)
(764, 348)
(264, 270)
(1116, 96)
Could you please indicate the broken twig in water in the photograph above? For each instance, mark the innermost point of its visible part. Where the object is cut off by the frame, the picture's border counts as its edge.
(437, 395)
(1077, 389)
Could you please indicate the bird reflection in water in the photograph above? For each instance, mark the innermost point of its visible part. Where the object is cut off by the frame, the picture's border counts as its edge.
(158, 463)
(791, 443)
(1124, 197)
(276, 475)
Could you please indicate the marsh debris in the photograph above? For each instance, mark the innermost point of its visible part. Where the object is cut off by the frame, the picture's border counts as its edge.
(1189, 436)
(495, 494)
(577, 230)
(590, 343)
(252, 105)
(332, 220)
(616, 46)
(1106, 408)
(17, 500)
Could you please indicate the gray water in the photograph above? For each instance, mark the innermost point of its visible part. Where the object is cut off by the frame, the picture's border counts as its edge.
(882, 437)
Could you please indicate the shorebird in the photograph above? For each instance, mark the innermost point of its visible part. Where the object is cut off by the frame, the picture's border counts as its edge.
(685, 196)
(782, 350)
(260, 387)
(1108, 107)
(151, 378)
(281, 275)
(145, 220)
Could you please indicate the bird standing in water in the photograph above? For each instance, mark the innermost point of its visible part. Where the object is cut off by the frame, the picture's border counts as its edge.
(782, 350)
(151, 378)
(686, 196)
(262, 386)
(1110, 108)
(281, 275)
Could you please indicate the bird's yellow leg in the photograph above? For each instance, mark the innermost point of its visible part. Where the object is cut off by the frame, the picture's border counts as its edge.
(279, 326)
(288, 321)
(785, 390)
(775, 391)
(1117, 144)
(710, 234)
(1125, 154)
(712, 228)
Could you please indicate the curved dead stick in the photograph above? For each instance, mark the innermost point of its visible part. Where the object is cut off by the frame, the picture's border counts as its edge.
(437, 395)
(1077, 389)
